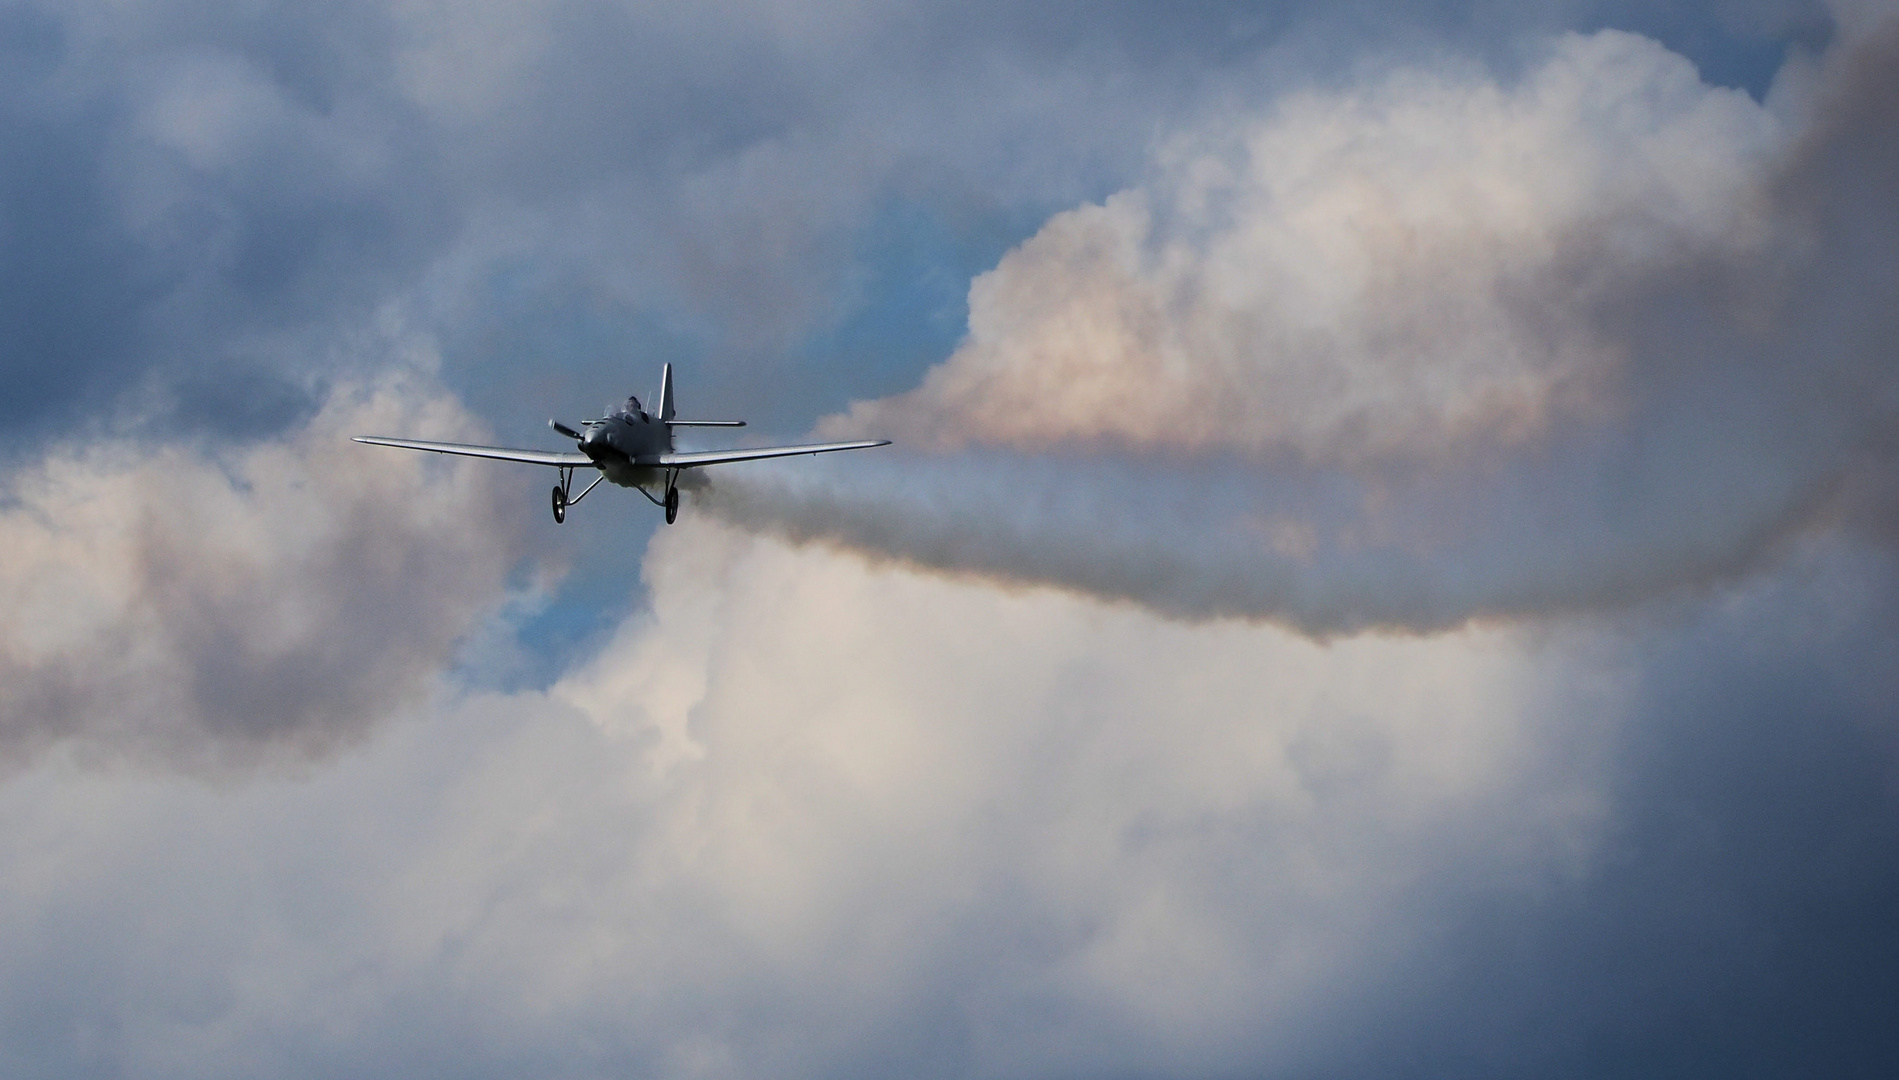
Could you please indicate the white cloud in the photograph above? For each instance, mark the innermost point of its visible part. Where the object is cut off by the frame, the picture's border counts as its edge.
(1027, 832)
(1403, 270)
(163, 599)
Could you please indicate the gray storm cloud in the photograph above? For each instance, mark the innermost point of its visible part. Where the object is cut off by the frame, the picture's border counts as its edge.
(208, 608)
(1441, 348)
(184, 181)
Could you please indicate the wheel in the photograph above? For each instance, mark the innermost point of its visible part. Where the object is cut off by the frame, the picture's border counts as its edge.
(672, 505)
(560, 506)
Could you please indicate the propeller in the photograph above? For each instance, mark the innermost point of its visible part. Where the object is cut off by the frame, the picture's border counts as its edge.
(565, 430)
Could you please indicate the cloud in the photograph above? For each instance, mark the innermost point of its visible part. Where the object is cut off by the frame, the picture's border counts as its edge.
(811, 816)
(1438, 349)
(194, 189)
(1729, 921)
(822, 810)
(814, 816)
(210, 607)
(200, 190)
(1396, 272)
(1168, 844)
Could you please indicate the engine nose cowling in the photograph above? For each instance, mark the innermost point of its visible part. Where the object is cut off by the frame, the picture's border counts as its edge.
(595, 441)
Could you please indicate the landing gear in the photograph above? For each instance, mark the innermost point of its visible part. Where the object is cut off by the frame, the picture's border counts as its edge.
(561, 499)
(669, 501)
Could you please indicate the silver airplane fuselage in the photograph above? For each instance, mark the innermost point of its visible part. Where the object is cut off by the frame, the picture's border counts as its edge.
(627, 446)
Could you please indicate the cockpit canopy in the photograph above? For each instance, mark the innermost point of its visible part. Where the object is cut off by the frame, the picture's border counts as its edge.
(633, 407)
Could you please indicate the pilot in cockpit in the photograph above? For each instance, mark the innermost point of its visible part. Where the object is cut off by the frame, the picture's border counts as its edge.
(633, 407)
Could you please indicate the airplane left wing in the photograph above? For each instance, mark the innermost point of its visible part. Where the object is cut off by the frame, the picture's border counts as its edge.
(695, 458)
(498, 453)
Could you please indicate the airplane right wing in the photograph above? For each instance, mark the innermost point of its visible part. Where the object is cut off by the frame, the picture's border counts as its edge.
(696, 458)
(498, 453)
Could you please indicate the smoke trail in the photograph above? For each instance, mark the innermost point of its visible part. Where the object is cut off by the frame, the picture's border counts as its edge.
(1435, 350)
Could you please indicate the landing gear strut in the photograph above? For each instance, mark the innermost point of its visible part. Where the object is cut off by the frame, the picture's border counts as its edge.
(669, 501)
(561, 501)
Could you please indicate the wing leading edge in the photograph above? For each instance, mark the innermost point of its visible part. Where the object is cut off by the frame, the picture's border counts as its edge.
(498, 453)
(687, 460)
(693, 459)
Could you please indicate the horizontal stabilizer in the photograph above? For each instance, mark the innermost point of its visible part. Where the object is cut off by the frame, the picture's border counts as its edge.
(719, 457)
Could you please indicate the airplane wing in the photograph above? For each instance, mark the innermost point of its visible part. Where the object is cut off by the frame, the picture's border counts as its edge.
(719, 457)
(499, 453)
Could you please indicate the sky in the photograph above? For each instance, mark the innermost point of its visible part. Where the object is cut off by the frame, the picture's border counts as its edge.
(1388, 565)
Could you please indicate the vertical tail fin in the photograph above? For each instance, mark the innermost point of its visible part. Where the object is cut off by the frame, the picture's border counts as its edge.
(665, 402)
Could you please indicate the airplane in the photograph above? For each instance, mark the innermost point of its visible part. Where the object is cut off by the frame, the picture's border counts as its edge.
(631, 447)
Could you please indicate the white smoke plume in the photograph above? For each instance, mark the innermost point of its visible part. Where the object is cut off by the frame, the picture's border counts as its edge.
(1443, 348)
(205, 608)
